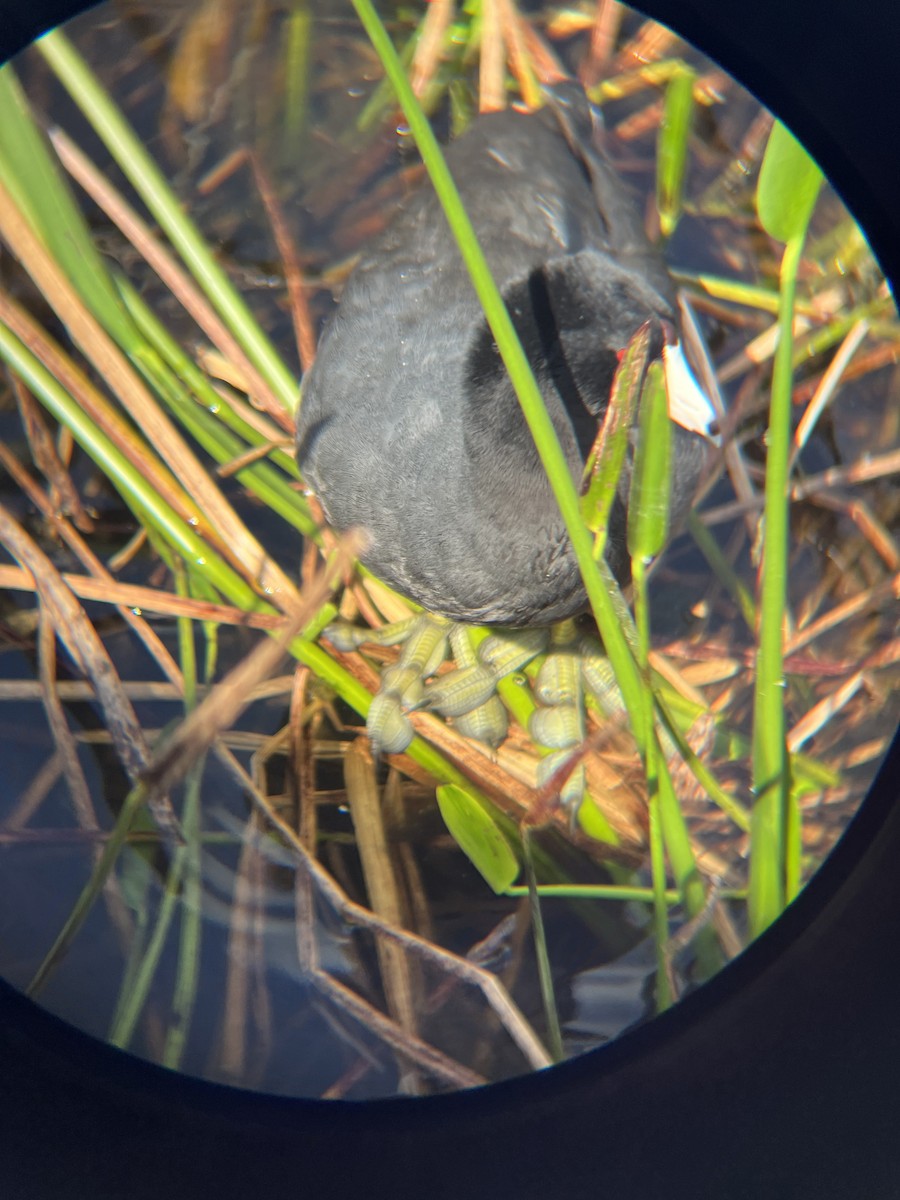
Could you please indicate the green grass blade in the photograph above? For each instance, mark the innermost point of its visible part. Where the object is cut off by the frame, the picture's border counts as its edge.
(542, 957)
(132, 486)
(723, 570)
(789, 182)
(128, 1014)
(298, 49)
(788, 186)
(648, 503)
(190, 925)
(648, 512)
(478, 835)
(133, 804)
(151, 185)
(210, 422)
(187, 370)
(40, 191)
(672, 149)
(771, 781)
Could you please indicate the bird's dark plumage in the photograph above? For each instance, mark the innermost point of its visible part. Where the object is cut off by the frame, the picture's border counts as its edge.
(409, 426)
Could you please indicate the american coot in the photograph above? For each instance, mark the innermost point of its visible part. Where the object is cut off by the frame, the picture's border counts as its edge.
(409, 426)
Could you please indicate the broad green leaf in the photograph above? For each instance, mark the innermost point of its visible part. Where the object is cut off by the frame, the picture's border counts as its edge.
(479, 838)
(672, 149)
(592, 821)
(789, 182)
(648, 501)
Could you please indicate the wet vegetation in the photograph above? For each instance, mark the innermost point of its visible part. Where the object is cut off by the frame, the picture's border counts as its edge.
(202, 861)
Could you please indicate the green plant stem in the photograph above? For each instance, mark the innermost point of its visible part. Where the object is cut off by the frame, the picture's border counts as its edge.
(723, 570)
(135, 489)
(626, 893)
(545, 975)
(212, 420)
(132, 805)
(123, 1028)
(150, 184)
(195, 380)
(770, 818)
(39, 190)
(187, 974)
(652, 761)
(672, 149)
(298, 55)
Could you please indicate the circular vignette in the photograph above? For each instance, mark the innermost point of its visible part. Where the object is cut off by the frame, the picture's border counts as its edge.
(739, 1089)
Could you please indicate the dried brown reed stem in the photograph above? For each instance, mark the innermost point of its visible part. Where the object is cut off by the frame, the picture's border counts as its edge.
(304, 328)
(518, 49)
(146, 599)
(205, 507)
(82, 550)
(73, 628)
(430, 46)
(176, 279)
(492, 61)
(64, 497)
(221, 706)
(354, 914)
(379, 872)
(604, 32)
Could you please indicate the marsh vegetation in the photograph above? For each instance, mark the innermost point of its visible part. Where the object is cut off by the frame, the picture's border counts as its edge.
(201, 860)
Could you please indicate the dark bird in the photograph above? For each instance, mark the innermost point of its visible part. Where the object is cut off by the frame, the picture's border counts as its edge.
(409, 426)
